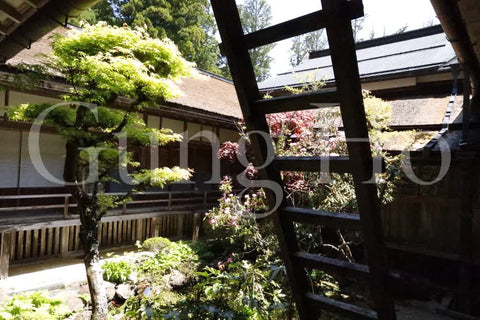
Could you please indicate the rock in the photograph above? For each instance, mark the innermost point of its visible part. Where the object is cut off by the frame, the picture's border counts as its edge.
(118, 316)
(123, 292)
(71, 299)
(133, 277)
(175, 279)
(110, 289)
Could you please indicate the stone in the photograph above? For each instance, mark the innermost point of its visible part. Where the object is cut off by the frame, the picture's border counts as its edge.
(71, 299)
(110, 290)
(176, 279)
(123, 292)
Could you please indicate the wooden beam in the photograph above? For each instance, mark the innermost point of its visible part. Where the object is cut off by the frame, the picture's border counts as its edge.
(335, 266)
(10, 12)
(320, 217)
(349, 310)
(295, 27)
(304, 101)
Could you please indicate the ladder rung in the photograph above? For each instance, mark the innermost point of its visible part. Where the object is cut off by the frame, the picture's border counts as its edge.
(335, 266)
(303, 101)
(320, 217)
(337, 164)
(313, 164)
(295, 27)
(349, 310)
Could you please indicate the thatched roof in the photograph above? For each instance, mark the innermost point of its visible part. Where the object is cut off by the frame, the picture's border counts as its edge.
(209, 93)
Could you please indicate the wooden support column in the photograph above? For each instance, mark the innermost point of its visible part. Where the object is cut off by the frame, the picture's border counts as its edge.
(469, 176)
(5, 238)
(197, 223)
(180, 223)
(64, 233)
(139, 231)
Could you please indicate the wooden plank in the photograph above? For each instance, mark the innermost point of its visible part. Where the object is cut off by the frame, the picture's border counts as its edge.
(43, 241)
(49, 249)
(321, 217)
(342, 308)
(139, 228)
(64, 236)
(295, 27)
(77, 238)
(337, 164)
(28, 244)
(303, 101)
(124, 231)
(35, 240)
(114, 232)
(345, 67)
(109, 233)
(10, 12)
(13, 244)
(338, 267)
(20, 240)
(71, 238)
(5, 254)
(56, 241)
(180, 226)
(104, 233)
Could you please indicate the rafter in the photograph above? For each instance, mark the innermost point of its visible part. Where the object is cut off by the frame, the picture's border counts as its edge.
(10, 11)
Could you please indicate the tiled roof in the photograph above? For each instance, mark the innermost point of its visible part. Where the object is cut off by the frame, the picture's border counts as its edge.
(415, 52)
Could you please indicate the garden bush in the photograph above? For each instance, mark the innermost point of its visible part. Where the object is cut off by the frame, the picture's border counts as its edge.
(169, 256)
(117, 271)
(33, 306)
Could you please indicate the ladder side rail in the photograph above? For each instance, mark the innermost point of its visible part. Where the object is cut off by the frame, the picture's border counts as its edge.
(243, 76)
(345, 65)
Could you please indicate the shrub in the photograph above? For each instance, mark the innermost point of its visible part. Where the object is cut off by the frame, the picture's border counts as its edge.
(116, 271)
(157, 245)
(33, 306)
(169, 256)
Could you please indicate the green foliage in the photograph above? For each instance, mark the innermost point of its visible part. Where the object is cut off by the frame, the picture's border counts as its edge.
(157, 245)
(157, 305)
(117, 271)
(189, 23)
(160, 177)
(169, 256)
(33, 306)
(104, 62)
(250, 291)
(256, 15)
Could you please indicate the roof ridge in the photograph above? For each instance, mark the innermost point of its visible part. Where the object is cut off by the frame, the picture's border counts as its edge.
(216, 76)
(408, 35)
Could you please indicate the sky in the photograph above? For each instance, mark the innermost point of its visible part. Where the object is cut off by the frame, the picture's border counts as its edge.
(382, 16)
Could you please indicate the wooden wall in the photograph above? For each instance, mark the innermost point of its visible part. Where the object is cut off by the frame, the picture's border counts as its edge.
(427, 218)
(61, 238)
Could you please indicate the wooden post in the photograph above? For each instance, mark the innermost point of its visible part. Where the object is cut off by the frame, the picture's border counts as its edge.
(197, 223)
(169, 201)
(180, 222)
(64, 233)
(65, 209)
(5, 238)
(138, 233)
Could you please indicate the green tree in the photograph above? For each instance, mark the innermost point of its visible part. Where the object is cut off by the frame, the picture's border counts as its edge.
(188, 23)
(303, 44)
(256, 15)
(102, 63)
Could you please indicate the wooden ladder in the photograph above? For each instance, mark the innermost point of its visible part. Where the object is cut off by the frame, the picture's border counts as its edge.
(336, 17)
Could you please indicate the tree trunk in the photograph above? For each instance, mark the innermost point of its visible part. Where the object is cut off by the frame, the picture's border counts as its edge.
(89, 235)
